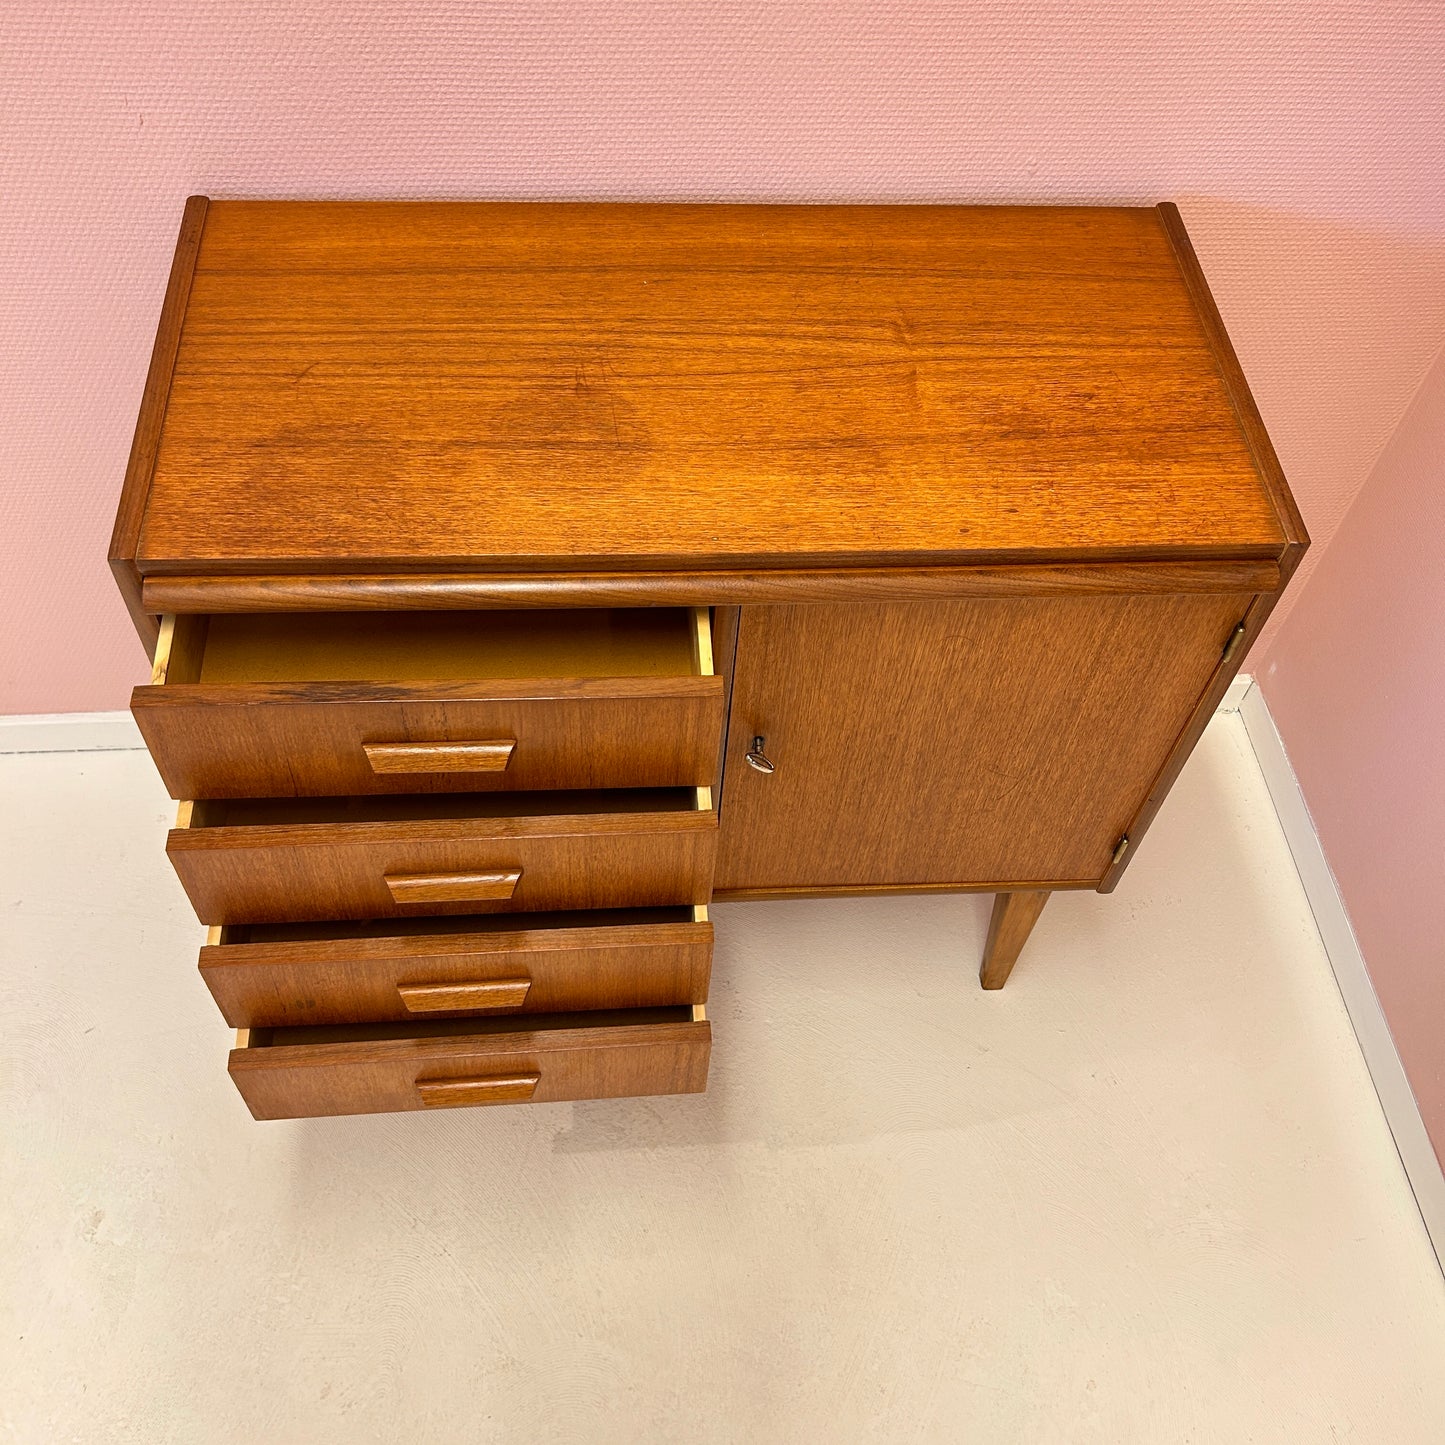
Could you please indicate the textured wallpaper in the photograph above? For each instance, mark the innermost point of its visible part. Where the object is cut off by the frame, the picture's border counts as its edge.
(1356, 683)
(1302, 141)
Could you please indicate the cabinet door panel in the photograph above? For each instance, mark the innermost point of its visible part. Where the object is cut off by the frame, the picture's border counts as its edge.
(971, 742)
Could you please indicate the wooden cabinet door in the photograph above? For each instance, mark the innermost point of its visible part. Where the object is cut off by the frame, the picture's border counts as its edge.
(987, 741)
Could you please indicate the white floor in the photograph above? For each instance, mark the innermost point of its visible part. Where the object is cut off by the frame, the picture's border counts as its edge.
(1143, 1195)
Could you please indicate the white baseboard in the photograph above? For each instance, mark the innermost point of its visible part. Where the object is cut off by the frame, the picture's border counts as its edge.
(1235, 694)
(1417, 1154)
(68, 732)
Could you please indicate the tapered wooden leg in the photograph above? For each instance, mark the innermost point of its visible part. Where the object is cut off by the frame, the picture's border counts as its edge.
(1014, 916)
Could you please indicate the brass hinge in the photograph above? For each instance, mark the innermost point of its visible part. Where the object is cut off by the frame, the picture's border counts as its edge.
(1120, 848)
(1232, 646)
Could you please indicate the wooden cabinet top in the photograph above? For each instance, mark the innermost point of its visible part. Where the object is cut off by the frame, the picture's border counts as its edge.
(364, 387)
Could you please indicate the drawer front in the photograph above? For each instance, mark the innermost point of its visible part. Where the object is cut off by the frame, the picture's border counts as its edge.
(311, 1080)
(328, 705)
(278, 741)
(487, 865)
(335, 980)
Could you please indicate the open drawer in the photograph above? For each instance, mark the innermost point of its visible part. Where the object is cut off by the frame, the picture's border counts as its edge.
(303, 704)
(295, 1073)
(286, 860)
(286, 974)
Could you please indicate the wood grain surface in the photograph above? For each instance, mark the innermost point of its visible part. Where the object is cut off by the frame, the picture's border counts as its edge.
(1251, 423)
(346, 978)
(725, 621)
(283, 740)
(281, 1079)
(465, 995)
(884, 890)
(1226, 669)
(568, 387)
(469, 886)
(1293, 525)
(516, 1088)
(968, 742)
(318, 868)
(492, 756)
(1009, 926)
(135, 490)
(688, 586)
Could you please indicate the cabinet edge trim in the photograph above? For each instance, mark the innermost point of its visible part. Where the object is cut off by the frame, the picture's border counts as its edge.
(482, 590)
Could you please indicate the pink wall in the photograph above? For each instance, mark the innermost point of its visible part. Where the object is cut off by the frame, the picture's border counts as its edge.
(1356, 682)
(1301, 139)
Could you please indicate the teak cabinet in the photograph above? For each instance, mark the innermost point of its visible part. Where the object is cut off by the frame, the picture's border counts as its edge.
(520, 578)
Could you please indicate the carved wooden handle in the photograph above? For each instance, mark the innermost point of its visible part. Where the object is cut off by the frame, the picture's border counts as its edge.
(444, 997)
(452, 887)
(483, 757)
(498, 1089)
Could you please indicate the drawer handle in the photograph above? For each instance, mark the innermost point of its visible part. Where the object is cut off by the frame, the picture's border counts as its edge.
(452, 887)
(421, 998)
(487, 757)
(497, 1089)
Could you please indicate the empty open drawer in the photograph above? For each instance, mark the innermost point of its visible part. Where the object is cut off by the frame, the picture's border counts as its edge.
(323, 703)
(325, 973)
(281, 860)
(292, 1073)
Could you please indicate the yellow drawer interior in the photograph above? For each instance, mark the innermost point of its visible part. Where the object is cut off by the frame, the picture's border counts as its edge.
(402, 647)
